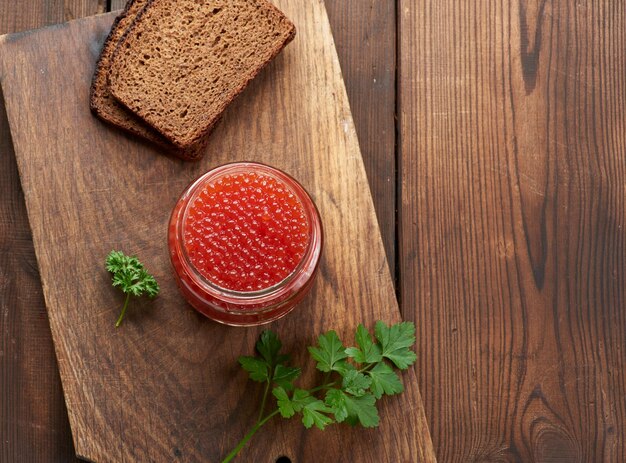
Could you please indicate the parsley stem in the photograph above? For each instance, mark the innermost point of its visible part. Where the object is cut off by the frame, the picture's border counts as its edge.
(319, 388)
(119, 320)
(248, 436)
(367, 367)
(267, 388)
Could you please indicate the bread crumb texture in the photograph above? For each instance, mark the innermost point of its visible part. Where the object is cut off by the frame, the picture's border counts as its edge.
(184, 61)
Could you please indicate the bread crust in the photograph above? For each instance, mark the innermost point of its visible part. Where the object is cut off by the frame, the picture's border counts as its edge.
(99, 99)
(106, 108)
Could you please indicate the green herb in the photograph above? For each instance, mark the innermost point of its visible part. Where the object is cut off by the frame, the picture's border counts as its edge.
(131, 277)
(355, 378)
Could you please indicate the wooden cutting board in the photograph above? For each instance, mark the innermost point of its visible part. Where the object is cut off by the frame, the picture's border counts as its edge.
(166, 386)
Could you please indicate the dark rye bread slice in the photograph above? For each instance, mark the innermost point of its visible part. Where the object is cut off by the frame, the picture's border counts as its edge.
(184, 61)
(108, 109)
(101, 101)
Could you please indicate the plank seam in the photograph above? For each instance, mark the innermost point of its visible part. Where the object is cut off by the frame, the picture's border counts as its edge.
(397, 273)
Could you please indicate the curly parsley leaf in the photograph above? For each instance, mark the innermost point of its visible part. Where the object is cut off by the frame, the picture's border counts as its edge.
(117, 261)
(329, 351)
(131, 277)
(395, 341)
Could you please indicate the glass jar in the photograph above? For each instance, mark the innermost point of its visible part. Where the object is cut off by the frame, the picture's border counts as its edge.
(235, 306)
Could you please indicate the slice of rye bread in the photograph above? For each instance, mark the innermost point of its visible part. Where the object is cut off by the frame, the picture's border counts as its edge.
(108, 109)
(183, 62)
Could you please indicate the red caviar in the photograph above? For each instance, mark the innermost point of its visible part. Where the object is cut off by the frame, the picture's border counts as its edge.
(246, 231)
(245, 241)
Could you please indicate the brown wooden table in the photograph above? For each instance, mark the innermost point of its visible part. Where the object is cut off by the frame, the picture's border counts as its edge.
(493, 133)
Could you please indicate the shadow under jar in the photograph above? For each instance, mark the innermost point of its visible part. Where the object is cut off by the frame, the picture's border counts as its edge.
(245, 241)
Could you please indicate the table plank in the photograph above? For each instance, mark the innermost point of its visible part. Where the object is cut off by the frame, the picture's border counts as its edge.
(33, 421)
(365, 37)
(117, 4)
(513, 166)
(26, 362)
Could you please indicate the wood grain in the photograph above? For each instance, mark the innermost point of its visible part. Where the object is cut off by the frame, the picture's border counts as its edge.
(513, 174)
(33, 421)
(34, 360)
(169, 382)
(117, 4)
(365, 37)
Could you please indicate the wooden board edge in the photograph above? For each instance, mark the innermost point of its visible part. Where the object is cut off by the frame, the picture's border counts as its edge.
(6, 41)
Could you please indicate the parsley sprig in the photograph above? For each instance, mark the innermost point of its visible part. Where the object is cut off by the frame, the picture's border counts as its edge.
(131, 277)
(355, 377)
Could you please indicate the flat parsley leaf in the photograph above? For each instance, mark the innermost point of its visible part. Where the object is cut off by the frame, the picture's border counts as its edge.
(268, 346)
(284, 376)
(268, 367)
(362, 409)
(290, 406)
(301, 398)
(285, 406)
(369, 352)
(313, 414)
(256, 368)
(353, 410)
(329, 352)
(356, 383)
(384, 381)
(395, 341)
(343, 367)
(336, 400)
(355, 377)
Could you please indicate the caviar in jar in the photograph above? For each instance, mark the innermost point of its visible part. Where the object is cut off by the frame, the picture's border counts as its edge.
(245, 240)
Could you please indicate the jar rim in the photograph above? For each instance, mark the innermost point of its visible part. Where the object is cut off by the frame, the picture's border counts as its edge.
(299, 274)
